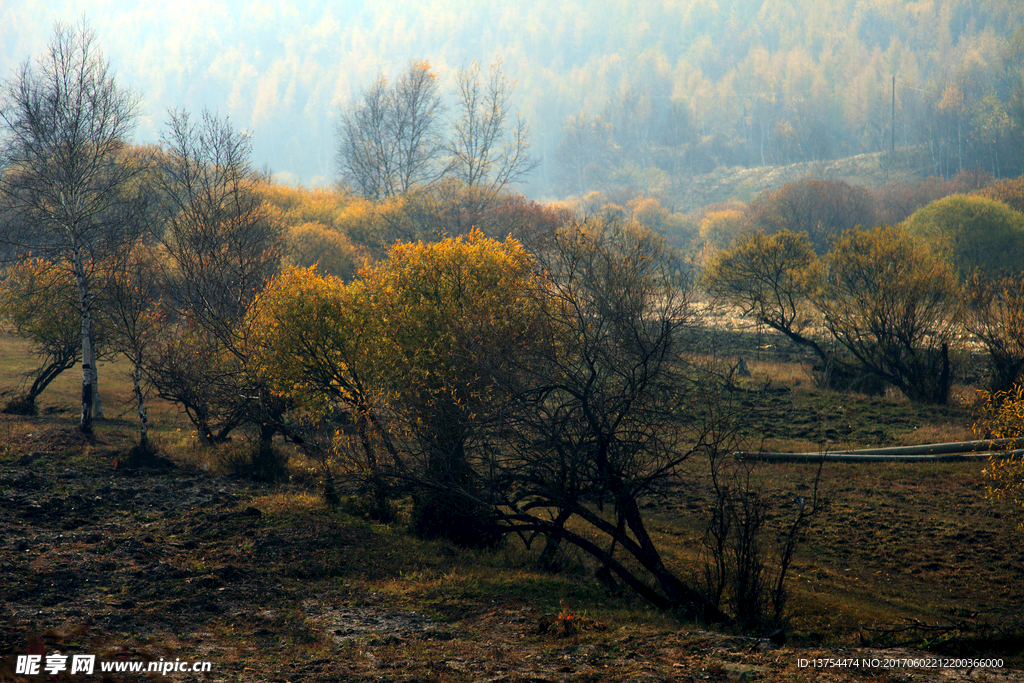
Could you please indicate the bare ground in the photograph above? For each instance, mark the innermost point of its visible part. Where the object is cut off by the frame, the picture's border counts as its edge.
(143, 561)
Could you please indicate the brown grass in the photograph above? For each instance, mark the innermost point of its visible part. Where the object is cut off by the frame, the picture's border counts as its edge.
(901, 544)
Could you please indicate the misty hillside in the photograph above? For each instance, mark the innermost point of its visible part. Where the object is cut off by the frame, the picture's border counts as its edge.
(653, 91)
(872, 170)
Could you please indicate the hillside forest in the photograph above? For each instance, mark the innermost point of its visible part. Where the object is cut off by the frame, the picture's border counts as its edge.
(659, 91)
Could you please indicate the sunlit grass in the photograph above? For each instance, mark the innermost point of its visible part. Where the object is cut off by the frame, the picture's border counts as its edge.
(288, 502)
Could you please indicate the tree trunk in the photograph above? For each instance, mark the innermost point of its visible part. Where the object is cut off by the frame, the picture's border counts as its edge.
(679, 593)
(46, 375)
(140, 402)
(97, 406)
(88, 355)
(85, 425)
(553, 540)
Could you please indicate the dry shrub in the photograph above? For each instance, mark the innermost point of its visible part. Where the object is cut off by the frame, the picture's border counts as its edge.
(251, 460)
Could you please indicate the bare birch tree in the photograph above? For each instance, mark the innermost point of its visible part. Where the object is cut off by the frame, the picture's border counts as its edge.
(392, 140)
(222, 248)
(67, 180)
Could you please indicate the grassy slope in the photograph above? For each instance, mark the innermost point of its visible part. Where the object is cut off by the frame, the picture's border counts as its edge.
(865, 170)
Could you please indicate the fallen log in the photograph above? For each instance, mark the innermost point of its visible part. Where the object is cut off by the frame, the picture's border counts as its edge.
(933, 452)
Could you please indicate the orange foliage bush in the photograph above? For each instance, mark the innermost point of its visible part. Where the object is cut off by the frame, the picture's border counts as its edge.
(822, 208)
(897, 201)
(1009, 191)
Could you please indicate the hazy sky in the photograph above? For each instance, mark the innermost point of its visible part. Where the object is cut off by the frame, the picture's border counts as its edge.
(282, 70)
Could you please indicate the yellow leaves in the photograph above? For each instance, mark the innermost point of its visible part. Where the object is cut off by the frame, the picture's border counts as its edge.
(648, 211)
(422, 65)
(401, 328)
(952, 99)
(1003, 415)
(298, 314)
(316, 244)
(719, 229)
(451, 272)
(39, 299)
(1003, 418)
(297, 205)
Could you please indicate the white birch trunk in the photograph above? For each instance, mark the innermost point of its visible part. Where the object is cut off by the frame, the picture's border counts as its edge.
(140, 400)
(97, 406)
(88, 355)
(88, 361)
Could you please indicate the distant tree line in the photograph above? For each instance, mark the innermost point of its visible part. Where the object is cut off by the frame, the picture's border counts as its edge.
(654, 135)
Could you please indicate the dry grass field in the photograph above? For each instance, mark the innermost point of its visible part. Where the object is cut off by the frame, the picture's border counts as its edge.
(187, 558)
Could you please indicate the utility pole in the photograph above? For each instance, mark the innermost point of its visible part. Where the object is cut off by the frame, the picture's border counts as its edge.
(892, 139)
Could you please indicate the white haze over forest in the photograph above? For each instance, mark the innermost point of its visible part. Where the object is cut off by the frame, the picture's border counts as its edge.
(282, 70)
(739, 68)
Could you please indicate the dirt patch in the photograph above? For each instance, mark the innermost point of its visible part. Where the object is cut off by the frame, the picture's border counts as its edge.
(345, 625)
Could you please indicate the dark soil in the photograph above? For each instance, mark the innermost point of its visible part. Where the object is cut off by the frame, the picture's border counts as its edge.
(142, 561)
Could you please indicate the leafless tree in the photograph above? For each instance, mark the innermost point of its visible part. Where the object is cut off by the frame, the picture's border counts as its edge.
(67, 178)
(223, 248)
(366, 154)
(417, 120)
(130, 306)
(606, 406)
(391, 140)
(489, 148)
(218, 234)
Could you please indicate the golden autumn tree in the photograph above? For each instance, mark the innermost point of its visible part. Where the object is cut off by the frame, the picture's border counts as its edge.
(403, 358)
(38, 301)
(771, 279)
(456, 312)
(719, 229)
(315, 345)
(318, 227)
(1009, 191)
(894, 305)
(541, 395)
(1003, 418)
